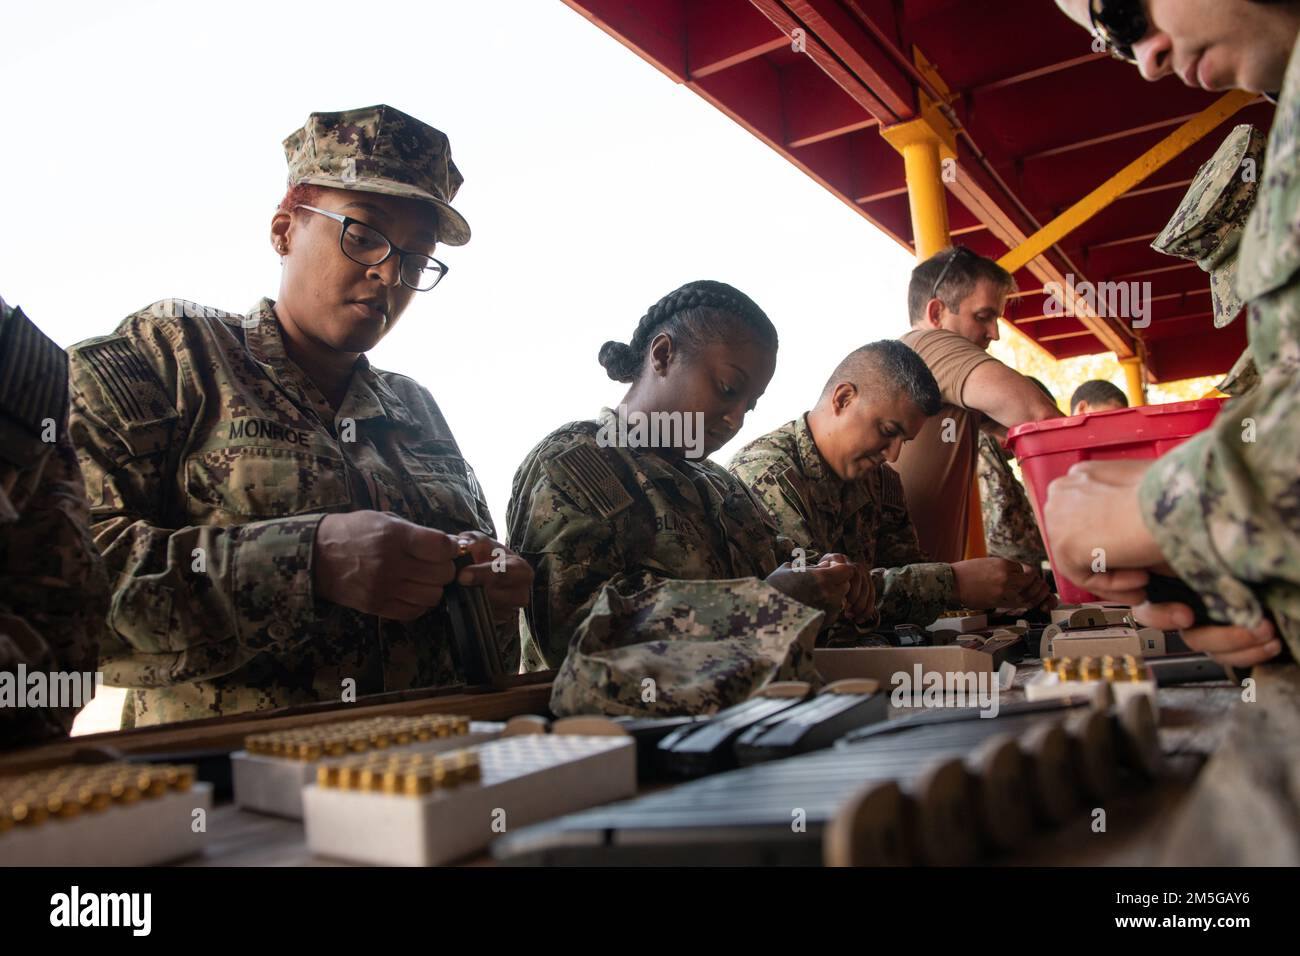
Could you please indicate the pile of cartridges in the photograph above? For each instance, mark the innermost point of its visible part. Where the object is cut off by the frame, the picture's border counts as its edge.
(354, 736)
(941, 787)
(411, 774)
(120, 814)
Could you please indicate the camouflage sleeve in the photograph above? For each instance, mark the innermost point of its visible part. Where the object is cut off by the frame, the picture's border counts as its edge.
(780, 502)
(1225, 505)
(188, 603)
(1010, 528)
(914, 593)
(569, 529)
(53, 590)
(910, 588)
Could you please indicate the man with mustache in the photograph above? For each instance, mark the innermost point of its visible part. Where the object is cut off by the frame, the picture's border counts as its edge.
(826, 479)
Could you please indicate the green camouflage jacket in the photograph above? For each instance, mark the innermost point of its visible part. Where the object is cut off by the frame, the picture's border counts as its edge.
(866, 520)
(585, 512)
(53, 589)
(1225, 505)
(210, 459)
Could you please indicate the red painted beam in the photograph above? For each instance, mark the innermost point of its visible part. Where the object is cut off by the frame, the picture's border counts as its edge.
(816, 108)
(654, 30)
(829, 62)
(723, 33)
(870, 61)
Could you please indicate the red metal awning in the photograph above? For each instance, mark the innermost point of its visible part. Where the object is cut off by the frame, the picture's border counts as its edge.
(1043, 121)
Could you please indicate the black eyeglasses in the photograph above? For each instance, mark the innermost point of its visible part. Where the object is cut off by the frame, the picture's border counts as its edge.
(368, 246)
(958, 252)
(1119, 24)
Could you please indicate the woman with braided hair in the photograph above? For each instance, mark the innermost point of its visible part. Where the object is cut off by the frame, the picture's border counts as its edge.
(631, 498)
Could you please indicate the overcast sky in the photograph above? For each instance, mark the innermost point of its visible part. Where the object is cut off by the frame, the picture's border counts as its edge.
(143, 159)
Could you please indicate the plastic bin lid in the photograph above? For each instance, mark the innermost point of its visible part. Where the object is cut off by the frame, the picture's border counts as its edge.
(1075, 421)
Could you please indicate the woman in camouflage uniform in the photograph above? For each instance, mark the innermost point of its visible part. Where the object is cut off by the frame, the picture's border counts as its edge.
(279, 518)
(597, 502)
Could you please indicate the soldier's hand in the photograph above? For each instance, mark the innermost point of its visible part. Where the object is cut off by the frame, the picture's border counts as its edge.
(860, 602)
(824, 586)
(1228, 644)
(996, 582)
(505, 577)
(378, 563)
(1099, 539)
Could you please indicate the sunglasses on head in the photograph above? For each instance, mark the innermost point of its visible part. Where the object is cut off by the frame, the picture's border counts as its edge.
(1120, 24)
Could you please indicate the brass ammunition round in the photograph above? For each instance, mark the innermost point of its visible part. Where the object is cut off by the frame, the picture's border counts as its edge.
(370, 780)
(1089, 669)
(327, 775)
(30, 814)
(392, 781)
(358, 744)
(129, 793)
(417, 784)
(68, 805)
(6, 819)
(347, 777)
(100, 799)
(1049, 664)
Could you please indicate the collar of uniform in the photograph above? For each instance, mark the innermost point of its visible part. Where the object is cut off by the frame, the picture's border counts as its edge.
(608, 419)
(368, 396)
(830, 492)
(262, 335)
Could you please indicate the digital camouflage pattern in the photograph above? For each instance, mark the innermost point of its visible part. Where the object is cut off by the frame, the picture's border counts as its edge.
(53, 589)
(200, 439)
(1242, 377)
(379, 149)
(1207, 225)
(585, 515)
(684, 647)
(1010, 528)
(867, 520)
(1226, 509)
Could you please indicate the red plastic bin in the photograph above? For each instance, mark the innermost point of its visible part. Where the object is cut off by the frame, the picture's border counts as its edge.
(1046, 450)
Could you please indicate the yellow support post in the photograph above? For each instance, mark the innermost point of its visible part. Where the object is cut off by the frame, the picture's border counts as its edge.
(926, 196)
(1124, 180)
(1133, 374)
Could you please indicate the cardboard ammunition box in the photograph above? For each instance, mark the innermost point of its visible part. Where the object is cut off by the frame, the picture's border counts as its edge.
(882, 663)
(1089, 615)
(1115, 641)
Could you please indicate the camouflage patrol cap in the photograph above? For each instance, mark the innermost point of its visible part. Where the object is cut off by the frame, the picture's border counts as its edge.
(1208, 224)
(378, 149)
(684, 647)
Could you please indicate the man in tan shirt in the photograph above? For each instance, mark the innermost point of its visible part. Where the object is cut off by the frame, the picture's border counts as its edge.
(954, 302)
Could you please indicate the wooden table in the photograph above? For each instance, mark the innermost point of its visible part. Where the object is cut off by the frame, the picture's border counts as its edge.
(1173, 821)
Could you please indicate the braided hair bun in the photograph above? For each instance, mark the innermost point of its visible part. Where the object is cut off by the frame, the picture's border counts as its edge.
(697, 312)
